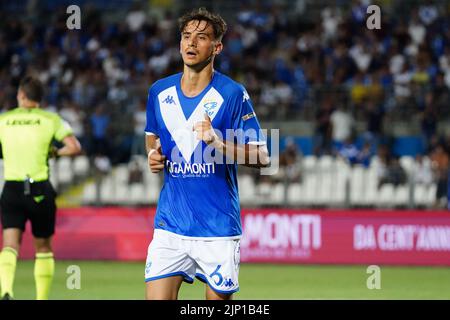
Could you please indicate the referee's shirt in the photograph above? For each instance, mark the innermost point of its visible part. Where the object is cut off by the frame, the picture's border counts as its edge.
(26, 136)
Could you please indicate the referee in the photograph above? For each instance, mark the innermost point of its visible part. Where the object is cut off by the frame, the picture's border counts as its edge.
(26, 135)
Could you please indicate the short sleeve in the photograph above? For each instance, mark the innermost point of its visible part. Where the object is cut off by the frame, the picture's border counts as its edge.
(245, 122)
(1, 127)
(151, 128)
(62, 129)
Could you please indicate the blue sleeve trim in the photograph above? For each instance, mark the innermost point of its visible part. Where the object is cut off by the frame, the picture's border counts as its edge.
(202, 278)
(178, 273)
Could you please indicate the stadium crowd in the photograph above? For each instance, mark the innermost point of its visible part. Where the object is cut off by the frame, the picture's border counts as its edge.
(332, 71)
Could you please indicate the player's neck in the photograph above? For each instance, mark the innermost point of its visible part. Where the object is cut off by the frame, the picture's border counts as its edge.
(193, 82)
(27, 104)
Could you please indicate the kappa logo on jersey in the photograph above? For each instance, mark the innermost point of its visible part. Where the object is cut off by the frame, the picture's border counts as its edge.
(228, 283)
(179, 127)
(169, 100)
(209, 107)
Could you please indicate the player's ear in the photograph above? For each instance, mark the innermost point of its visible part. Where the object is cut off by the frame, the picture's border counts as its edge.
(218, 47)
(20, 94)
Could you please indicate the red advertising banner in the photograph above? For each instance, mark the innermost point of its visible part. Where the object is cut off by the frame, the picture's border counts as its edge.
(346, 237)
(270, 236)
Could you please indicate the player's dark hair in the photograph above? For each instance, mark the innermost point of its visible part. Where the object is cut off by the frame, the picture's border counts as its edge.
(32, 88)
(201, 14)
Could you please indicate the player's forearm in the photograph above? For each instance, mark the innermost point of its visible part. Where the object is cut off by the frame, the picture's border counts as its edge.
(68, 151)
(71, 147)
(151, 142)
(248, 155)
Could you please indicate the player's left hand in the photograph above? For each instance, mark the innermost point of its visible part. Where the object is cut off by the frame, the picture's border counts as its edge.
(205, 130)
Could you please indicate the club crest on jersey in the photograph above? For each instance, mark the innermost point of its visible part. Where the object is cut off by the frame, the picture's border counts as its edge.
(209, 107)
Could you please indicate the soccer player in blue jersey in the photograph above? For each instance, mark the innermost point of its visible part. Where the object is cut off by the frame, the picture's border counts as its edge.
(197, 225)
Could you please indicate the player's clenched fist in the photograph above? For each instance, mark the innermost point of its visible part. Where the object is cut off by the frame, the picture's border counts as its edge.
(156, 160)
(205, 130)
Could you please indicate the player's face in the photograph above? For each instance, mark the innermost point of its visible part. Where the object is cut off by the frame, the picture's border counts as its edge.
(198, 46)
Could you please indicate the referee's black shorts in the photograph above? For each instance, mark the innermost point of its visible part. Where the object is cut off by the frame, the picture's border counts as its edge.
(39, 207)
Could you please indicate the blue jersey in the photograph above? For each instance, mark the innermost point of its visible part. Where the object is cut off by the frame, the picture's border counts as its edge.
(199, 197)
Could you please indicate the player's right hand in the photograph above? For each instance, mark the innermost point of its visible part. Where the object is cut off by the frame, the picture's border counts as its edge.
(53, 152)
(156, 160)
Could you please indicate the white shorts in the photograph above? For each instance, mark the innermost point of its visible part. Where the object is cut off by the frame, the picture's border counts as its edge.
(215, 262)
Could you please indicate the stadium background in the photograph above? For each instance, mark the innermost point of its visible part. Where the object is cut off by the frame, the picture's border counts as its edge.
(364, 140)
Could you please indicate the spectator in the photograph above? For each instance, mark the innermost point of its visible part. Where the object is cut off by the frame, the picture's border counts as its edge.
(330, 22)
(349, 151)
(75, 117)
(375, 117)
(393, 173)
(444, 63)
(290, 163)
(417, 30)
(429, 124)
(140, 119)
(384, 159)
(361, 55)
(428, 13)
(359, 88)
(440, 164)
(342, 123)
(365, 155)
(117, 94)
(397, 60)
(100, 122)
(283, 94)
(440, 96)
(423, 173)
(102, 164)
(135, 173)
(135, 18)
(322, 139)
(389, 170)
(402, 82)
